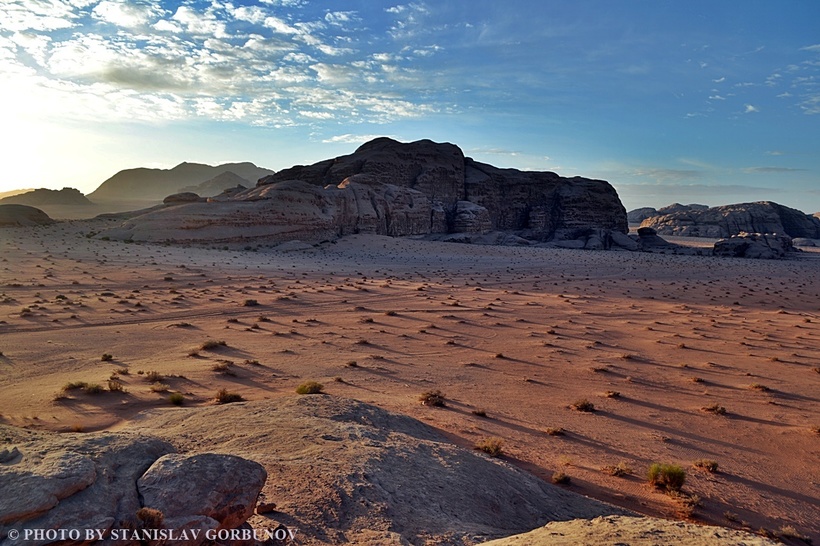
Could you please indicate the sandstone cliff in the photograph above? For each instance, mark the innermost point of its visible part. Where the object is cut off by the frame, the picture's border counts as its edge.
(391, 188)
(728, 220)
(44, 196)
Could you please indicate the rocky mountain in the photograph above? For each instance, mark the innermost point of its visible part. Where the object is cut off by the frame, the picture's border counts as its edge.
(728, 220)
(23, 215)
(45, 197)
(390, 188)
(154, 184)
(637, 216)
(4, 194)
(217, 184)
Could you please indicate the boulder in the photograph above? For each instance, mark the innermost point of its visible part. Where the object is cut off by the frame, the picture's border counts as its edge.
(23, 215)
(73, 481)
(624, 241)
(471, 218)
(754, 245)
(182, 197)
(221, 487)
(803, 242)
(728, 220)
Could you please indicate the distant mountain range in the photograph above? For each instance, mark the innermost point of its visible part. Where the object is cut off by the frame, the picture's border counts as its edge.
(45, 197)
(156, 184)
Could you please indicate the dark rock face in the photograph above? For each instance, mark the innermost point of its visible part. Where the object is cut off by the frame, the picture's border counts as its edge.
(728, 220)
(22, 215)
(636, 216)
(390, 188)
(754, 245)
(677, 207)
(183, 197)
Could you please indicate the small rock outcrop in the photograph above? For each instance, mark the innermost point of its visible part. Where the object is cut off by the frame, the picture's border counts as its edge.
(23, 215)
(45, 197)
(754, 245)
(391, 188)
(636, 216)
(182, 197)
(728, 220)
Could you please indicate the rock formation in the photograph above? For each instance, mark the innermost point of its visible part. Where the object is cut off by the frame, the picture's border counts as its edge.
(22, 215)
(390, 188)
(155, 184)
(44, 197)
(218, 184)
(728, 220)
(101, 481)
(637, 216)
(754, 245)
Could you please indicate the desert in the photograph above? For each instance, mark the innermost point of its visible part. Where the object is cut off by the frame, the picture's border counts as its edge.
(684, 359)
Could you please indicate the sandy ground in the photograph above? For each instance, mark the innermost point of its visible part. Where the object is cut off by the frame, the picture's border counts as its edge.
(518, 333)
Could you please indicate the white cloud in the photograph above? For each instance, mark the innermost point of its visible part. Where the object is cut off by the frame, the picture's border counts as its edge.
(351, 139)
(38, 15)
(278, 25)
(126, 14)
(813, 48)
(750, 109)
(199, 24)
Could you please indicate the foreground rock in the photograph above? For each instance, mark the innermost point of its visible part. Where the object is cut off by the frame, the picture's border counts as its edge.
(89, 482)
(22, 215)
(637, 531)
(754, 245)
(342, 471)
(728, 220)
(396, 189)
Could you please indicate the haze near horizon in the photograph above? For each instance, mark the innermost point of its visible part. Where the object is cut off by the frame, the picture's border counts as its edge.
(691, 102)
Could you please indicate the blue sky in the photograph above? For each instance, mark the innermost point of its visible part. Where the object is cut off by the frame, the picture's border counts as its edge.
(689, 101)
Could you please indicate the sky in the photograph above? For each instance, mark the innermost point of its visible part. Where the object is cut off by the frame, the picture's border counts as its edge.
(710, 102)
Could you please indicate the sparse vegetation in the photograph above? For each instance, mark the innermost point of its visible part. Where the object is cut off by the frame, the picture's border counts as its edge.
(759, 387)
(620, 469)
(107, 357)
(212, 345)
(225, 397)
(115, 386)
(310, 387)
(554, 431)
(715, 408)
(666, 476)
(612, 394)
(494, 447)
(433, 398)
(250, 303)
(706, 464)
(159, 387)
(150, 518)
(176, 398)
(583, 405)
(561, 478)
(223, 367)
(479, 413)
(153, 377)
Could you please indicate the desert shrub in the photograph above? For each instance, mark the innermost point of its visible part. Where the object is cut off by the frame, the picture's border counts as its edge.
(717, 409)
(561, 478)
(212, 345)
(612, 394)
(74, 385)
(583, 405)
(159, 387)
(106, 357)
(759, 387)
(310, 387)
(151, 518)
(225, 397)
(479, 413)
(176, 399)
(620, 469)
(223, 367)
(432, 398)
(93, 388)
(706, 464)
(154, 377)
(666, 476)
(554, 431)
(250, 303)
(491, 446)
(115, 386)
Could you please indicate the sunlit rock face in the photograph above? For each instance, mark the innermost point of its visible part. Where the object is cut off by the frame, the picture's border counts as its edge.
(728, 220)
(397, 189)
